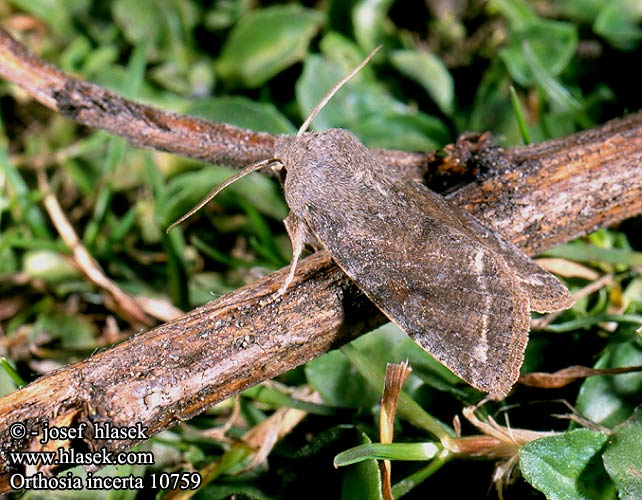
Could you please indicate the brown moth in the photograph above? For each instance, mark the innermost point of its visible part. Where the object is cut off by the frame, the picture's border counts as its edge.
(453, 285)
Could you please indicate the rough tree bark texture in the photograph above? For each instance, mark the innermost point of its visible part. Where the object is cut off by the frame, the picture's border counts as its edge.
(538, 196)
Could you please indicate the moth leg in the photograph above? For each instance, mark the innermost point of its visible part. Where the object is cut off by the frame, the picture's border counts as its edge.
(299, 235)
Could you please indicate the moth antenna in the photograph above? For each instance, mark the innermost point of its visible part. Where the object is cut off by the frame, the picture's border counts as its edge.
(330, 94)
(242, 173)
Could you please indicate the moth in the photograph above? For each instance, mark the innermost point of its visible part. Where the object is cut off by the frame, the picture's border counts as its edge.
(452, 284)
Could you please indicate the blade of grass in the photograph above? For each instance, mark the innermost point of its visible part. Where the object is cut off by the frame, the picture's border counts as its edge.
(15, 184)
(115, 155)
(555, 91)
(219, 256)
(387, 451)
(278, 399)
(519, 116)
(575, 324)
(407, 407)
(123, 225)
(11, 371)
(582, 252)
(406, 485)
(174, 243)
(117, 147)
(264, 243)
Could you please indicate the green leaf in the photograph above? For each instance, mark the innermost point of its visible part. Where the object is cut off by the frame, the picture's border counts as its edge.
(20, 200)
(492, 109)
(583, 252)
(8, 258)
(340, 384)
(584, 322)
(557, 93)
(365, 107)
(553, 44)
(567, 466)
(75, 332)
(140, 21)
(343, 51)
(623, 457)
(414, 131)
(517, 12)
(48, 265)
(75, 53)
(276, 399)
(609, 400)
(370, 22)
(427, 70)
(362, 480)
(356, 99)
(224, 14)
(7, 385)
(408, 408)
(242, 112)
(10, 379)
(519, 116)
(263, 239)
(583, 10)
(265, 42)
(619, 23)
(56, 13)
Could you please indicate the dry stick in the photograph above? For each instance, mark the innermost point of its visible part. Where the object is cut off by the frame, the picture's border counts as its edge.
(575, 191)
(543, 195)
(117, 300)
(146, 126)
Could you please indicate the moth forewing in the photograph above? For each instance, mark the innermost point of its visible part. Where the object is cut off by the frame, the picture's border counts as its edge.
(434, 270)
(546, 293)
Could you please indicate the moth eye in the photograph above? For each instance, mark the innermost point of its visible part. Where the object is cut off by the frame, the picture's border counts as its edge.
(277, 166)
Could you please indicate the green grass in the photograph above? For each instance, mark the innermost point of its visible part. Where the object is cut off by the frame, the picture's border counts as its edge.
(525, 74)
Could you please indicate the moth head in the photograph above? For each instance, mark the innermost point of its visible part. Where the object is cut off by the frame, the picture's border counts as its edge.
(282, 147)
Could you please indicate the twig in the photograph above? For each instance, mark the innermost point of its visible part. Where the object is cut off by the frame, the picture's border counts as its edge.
(122, 303)
(146, 126)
